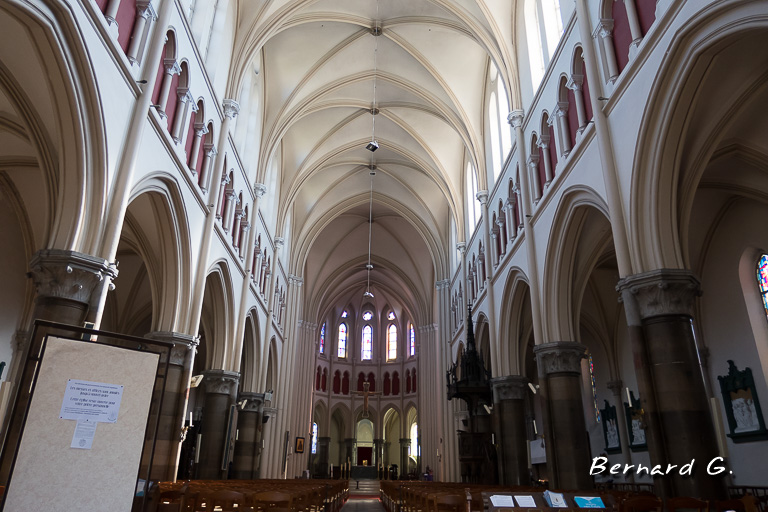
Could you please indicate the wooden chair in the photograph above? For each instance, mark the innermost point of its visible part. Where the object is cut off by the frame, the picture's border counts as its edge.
(450, 503)
(272, 501)
(641, 504)
(229, 501)
(686, 503)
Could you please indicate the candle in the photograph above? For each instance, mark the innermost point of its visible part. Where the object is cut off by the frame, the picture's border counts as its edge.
(629, 400)
(534, 428)
(190, 418)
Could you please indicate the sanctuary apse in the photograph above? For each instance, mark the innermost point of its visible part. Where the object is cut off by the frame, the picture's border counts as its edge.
(588, 175)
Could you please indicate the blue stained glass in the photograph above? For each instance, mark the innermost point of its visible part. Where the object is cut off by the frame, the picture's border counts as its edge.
(322, 339)
(412, 341)
(342, 341)
(314, 438)
(762, 279)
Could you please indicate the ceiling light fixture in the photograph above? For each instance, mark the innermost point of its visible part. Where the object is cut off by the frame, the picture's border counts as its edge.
(376, 31)
(369, 267)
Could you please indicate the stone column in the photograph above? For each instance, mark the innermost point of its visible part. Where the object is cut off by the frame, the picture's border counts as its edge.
(69, 287)
(672, 390)
(322, 467)
(509, 408)
(220, 391)
(533, 172)
(387, 462)
(405, 442)
(544, 145)
(205, 171)
(144, 11)
(247, 445)
(349, 450)
(568, 452)
(562, 128)
(171, 68)
(377, 452)
(172, 414)
(576, 84)
(200, 130)
(110, 14)
(606, 38)
(183, 100)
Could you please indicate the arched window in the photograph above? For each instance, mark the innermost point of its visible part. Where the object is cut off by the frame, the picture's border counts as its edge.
(594, 388)
(411, 341)
(314, 437)
(342, 353)
(367, 315)
(322, 339)
(762, 279)
(344, 314)
(543, 28)
(473, 205)
(493, 121)
(391, 315)
(391, 342)
(367, 346)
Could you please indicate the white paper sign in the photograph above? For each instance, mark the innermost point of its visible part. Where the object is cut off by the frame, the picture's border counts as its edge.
(525, 501)
(500, 500)
(84, 433)
(92, 401)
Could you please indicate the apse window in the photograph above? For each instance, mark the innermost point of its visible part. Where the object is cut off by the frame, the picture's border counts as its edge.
(391, 315)
(391, 342)
(367, 316)
(367, 353)
(762, 280)
(314, 437)
(342, 352)
(411, 341)
(344, 314)
(322, 339)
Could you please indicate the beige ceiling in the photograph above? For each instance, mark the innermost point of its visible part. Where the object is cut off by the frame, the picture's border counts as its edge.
(316, 60)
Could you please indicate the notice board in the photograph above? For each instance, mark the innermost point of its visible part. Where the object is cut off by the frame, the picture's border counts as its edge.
(50, 473)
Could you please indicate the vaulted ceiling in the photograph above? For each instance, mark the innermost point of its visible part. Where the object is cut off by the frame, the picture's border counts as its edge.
(320, 62)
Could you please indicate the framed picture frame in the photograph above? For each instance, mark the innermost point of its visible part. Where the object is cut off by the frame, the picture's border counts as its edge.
(299, 448)
(742, 406)
(635, 417)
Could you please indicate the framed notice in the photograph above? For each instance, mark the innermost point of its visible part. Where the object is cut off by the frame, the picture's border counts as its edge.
(299, 445)
(86, 423)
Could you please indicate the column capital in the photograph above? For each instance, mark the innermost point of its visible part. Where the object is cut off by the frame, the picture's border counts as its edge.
(200, 129)
(221, 382)
(69, 274)
(145, 9)
(231, 108)
(605, 27)
(255, 401)
(259, 189)
(559, 357)
(661, 292)
(615, 386)
(171, 67)
(575, 83)
(441, 285)
(461, 247)
(279, 242)
(482, 196)
(183, 344)
(515, 118)
(511, 387)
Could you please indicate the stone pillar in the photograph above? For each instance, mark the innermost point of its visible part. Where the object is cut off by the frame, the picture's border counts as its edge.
(568, 452)
(172, 414)
(171, 68)
(69, 287)
(672, 389)
(606, 39)
(349, 450)
(387, 462)
(509, 408)
(377, 452)
(247, 445)
(200, 130)
(322, 467)
(405, 442)
(220, 391)
(576, 84)
(144, 11)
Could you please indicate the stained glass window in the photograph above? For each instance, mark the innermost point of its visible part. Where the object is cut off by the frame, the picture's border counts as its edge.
(594, 388)
(367, 343)
(391, 342)
(343, 341)
(322, 339)
(762, 279)
(344, 314)
(367, 315)
(314, 437)
(411, 341)
(391, 315)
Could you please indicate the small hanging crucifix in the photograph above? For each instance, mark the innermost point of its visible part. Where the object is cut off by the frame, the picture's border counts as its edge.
(365, 393)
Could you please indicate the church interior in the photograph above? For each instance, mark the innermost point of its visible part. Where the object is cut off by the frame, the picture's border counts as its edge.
(481, 242)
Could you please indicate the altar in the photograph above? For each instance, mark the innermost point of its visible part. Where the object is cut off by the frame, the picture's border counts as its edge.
(364, 472)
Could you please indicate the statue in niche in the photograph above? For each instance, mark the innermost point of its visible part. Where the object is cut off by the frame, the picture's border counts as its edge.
(610, 428)
(742, 407)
